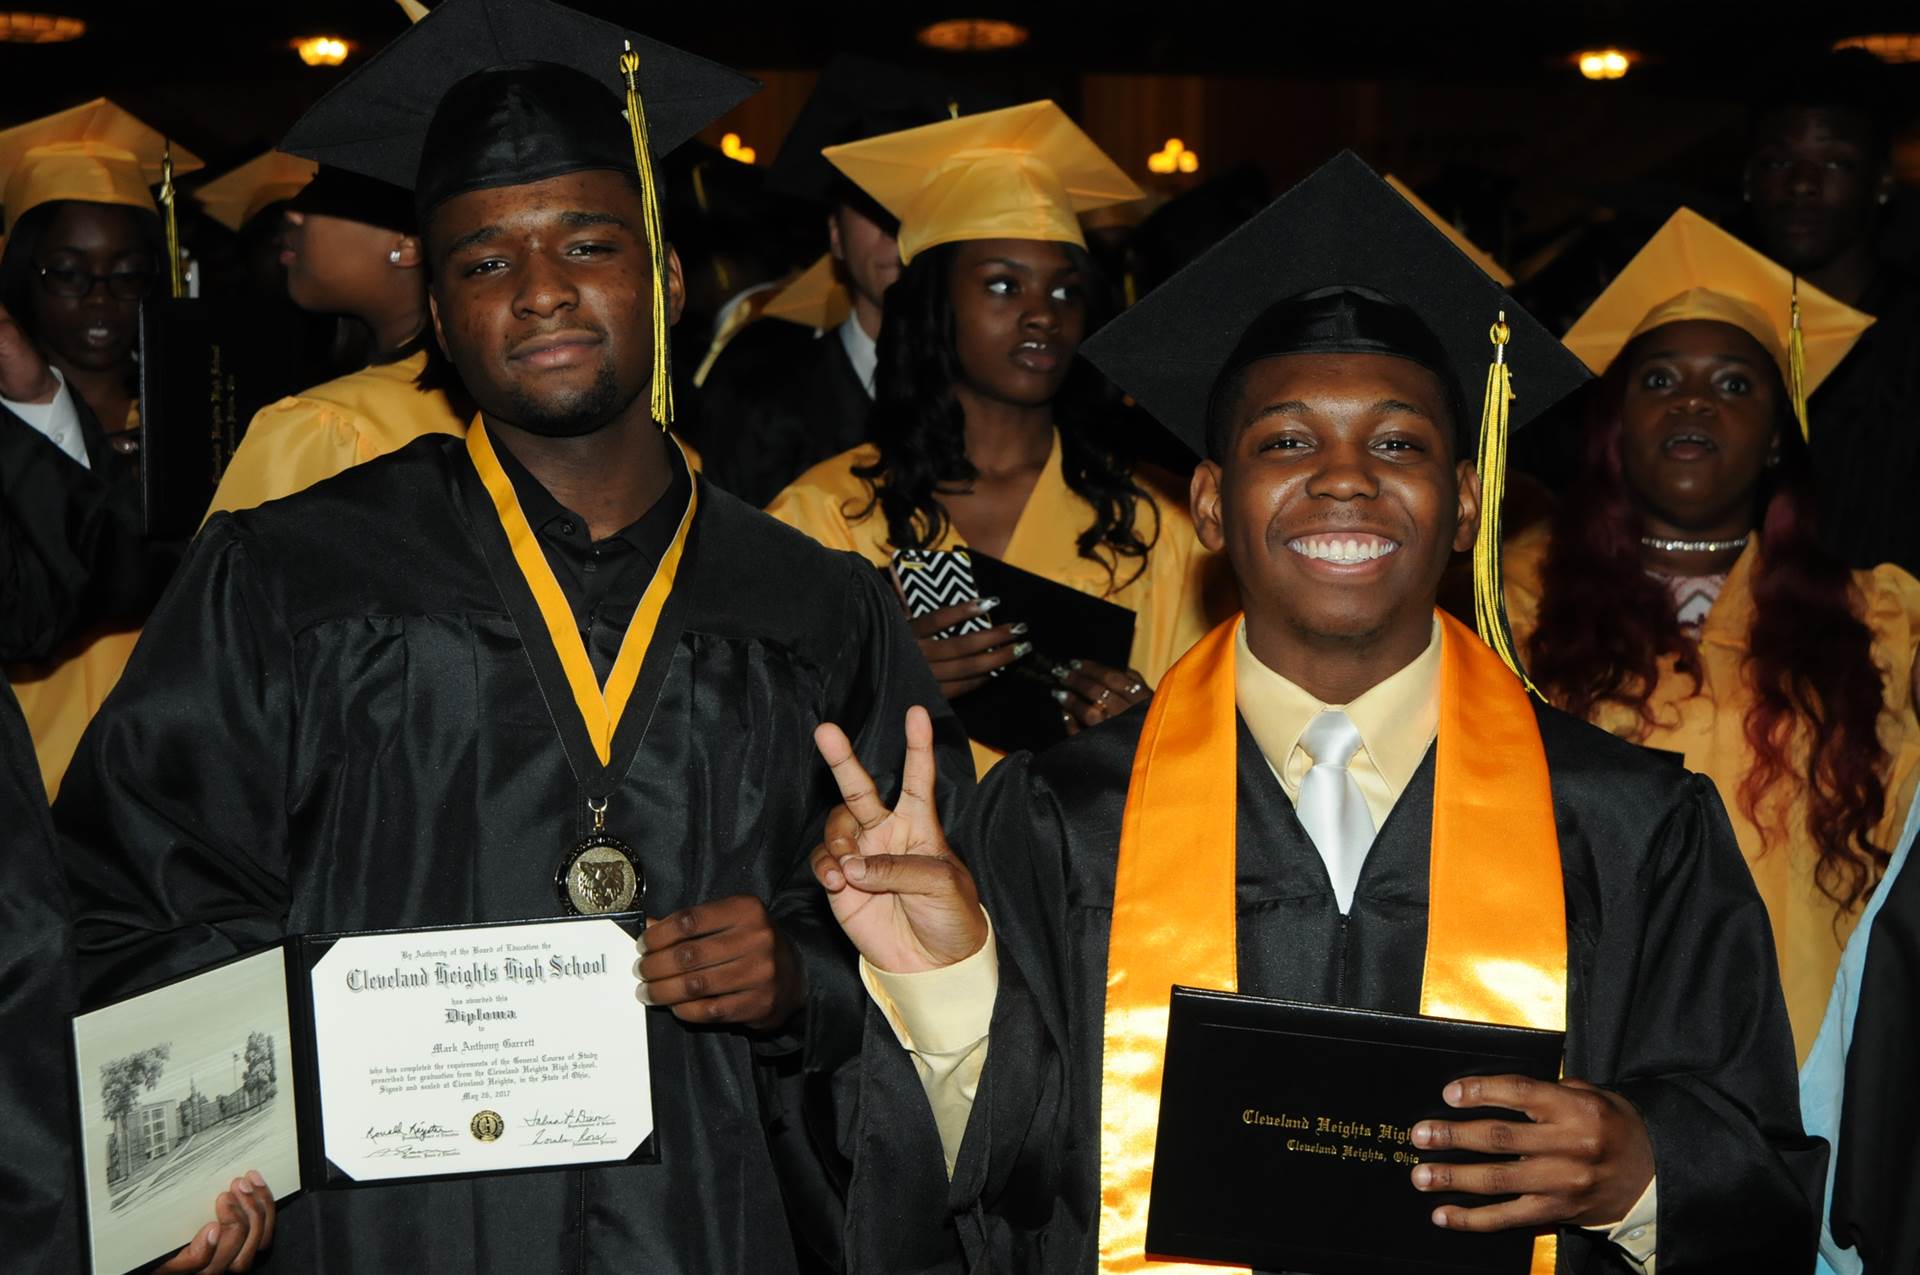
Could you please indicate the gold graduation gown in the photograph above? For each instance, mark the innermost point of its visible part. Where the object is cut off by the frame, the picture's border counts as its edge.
(330, 428)
(1709, 729)
(1183, 591)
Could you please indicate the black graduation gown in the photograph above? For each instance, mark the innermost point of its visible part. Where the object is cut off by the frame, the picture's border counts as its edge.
(1865, 431)
(38, 1214)
(1672, 1001)
(71, 547)
(1876, 1179)
(779, 400)
(332, 723)
(71, 554)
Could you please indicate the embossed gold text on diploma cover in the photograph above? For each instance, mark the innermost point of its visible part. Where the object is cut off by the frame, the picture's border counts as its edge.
(483, 1050)
(1285, 1136)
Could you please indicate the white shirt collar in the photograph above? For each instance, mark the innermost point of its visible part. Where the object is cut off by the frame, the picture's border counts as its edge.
(861, 350)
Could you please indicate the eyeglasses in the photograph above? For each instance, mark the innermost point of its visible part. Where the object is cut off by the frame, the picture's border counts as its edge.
(125, 285)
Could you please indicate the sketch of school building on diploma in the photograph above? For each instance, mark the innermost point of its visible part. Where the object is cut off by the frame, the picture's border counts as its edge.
(150, 1140)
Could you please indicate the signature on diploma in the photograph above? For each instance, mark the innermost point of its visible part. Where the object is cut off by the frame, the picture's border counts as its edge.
(411, 1151)
(415, 1132)
(574, 1128)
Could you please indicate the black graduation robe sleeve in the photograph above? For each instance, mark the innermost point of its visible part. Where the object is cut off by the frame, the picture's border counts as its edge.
(1701, 1055)
(880, 675)
(71, 548)
(38, 1216)
(175, 808)
(1009, 1172)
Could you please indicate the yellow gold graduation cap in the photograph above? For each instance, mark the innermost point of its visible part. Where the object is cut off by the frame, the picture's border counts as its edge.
(236, 198)
(95, 153)
(1025, 172)
(815, 299)
(1478, 255)
(1692, 269)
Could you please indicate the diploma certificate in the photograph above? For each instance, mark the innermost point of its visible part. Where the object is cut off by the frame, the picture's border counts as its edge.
(481, 1050)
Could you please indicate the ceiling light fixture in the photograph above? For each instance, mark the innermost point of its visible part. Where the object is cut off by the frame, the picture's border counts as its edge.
(973, 35)
(1888, 47)
(39, 28)
(1603, 64)
(322, 50)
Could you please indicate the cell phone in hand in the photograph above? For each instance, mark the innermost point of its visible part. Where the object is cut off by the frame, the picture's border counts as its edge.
(933, 579)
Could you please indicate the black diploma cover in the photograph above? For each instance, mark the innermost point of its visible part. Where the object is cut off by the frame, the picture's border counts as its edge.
(1284, 1138)
(190, 420)
(1017, 710)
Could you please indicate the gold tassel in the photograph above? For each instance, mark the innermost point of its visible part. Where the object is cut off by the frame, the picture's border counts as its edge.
(1489, 599)
(661, 401)
(176, 275)
(1797, 366)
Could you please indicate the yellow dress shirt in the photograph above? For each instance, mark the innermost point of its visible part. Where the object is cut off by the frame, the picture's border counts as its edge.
(1396, 719)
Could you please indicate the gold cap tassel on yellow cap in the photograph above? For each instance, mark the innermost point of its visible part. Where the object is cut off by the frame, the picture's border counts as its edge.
(1797, 365)
(1489, 600)
(661, 400)
(176, 276)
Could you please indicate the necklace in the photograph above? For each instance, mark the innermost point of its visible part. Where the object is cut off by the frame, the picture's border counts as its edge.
(1693, 546)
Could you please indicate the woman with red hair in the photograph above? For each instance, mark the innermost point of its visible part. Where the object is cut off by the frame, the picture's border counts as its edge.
(1680, 597)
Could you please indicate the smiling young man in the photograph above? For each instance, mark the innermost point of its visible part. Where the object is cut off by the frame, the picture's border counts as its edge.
(1340, 797)
(430, 730)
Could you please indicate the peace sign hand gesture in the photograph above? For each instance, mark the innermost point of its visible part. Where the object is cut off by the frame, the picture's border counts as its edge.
(896, 888)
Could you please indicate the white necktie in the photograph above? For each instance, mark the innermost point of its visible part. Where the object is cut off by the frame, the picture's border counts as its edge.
(1330, 806)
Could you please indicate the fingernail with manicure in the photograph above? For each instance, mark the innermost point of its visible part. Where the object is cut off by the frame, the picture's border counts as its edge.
(986, 604)
(1075, 665)
(1020, 629)
(1059, 696)
(1021, 650)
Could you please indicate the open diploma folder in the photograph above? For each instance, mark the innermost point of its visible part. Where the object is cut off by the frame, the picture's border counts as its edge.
(355, 1059)
(1284, 1137)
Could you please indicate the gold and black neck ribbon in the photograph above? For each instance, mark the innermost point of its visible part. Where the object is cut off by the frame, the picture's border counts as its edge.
(601, 727)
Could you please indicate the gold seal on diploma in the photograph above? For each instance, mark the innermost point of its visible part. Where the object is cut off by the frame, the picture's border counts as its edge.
(601, 875)
(487, 1126)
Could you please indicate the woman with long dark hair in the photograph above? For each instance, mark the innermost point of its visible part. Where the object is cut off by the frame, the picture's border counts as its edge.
(986, 426)
(1681, 598)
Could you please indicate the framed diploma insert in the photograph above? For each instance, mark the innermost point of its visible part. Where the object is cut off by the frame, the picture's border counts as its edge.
(352, 1060)
(1284, 1140)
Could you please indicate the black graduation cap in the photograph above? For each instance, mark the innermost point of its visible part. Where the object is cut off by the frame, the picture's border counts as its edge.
(857, 98)
(519, 115)
(1340, 263)
(335, 192)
